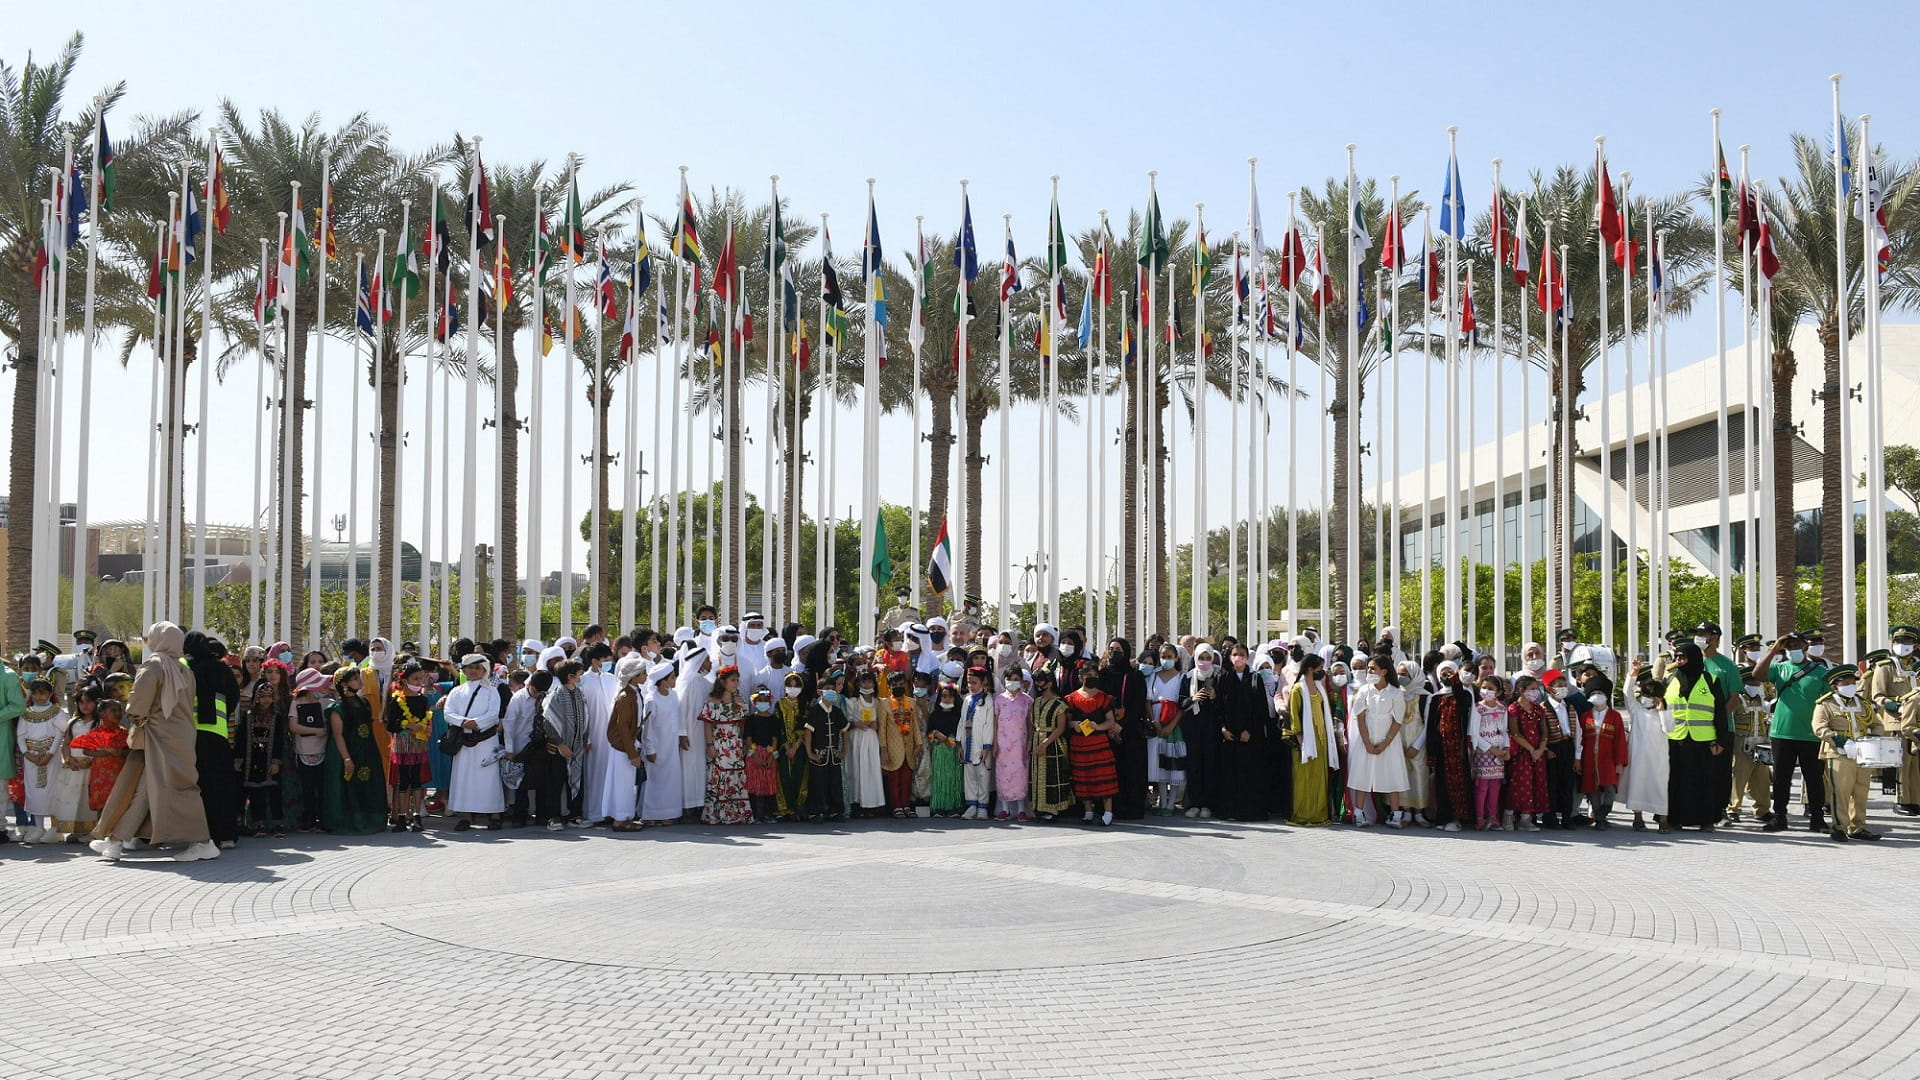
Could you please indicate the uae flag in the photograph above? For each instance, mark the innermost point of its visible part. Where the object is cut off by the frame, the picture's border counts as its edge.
(940, 568)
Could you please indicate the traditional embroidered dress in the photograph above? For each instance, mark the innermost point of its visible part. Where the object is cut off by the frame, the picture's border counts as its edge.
(1052, 780)
(1011, 737)
(1166, 754)
(791, 765)
(1314, 721)
(945, 789)
(976, 742)
(727, 802)
(409, 726)
(1526, 778)
(865, 784)
(106, 747)
(826, 741)
(1449, 723)
(901, 744)
(38, 736)
(71, 812)
(762, 731)
(1091, 750)
(354, 804)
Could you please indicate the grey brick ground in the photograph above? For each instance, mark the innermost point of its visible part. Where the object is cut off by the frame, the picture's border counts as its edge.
(1188, 949)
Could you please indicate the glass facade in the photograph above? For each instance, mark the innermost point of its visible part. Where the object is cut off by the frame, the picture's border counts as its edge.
(1477, 531)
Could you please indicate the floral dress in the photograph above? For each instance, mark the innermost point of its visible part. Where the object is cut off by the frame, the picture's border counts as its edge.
(1527, 778)
(726, 766)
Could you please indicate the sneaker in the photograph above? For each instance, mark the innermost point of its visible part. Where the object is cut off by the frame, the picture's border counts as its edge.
(1451, 826)
(196, 852)
(1398, 821)
(1003, 815)
(1106, 819)
(1533, 826)
(1420, 819)
(555, 826)
(1086, 818)
(1778, 824)
(227, 845)
(1205, 813)
(1022, 816)
(1193, 811)
(108, 850)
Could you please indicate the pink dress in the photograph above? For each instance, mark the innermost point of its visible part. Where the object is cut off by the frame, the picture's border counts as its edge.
(1010, 742)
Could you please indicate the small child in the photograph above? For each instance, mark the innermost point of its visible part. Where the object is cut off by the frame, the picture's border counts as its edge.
(106, 747)
(1603, 753)
(976, 742)
(39, 732)
(944, 791)
(1491, 749)
(763, 751)
(71, 815)
(1010, 737)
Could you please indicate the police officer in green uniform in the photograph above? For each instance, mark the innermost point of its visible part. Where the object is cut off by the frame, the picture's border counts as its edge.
(1891, 676)
(1799, 680)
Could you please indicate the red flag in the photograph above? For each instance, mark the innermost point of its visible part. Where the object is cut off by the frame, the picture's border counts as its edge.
(1392, 252)
(1747, 227)
(1606, 211)
(1502, 236)
(1102, 275)
(1767, 259)
(1293, 258)
(153, 275)
(1322, 283)
(724, 270)
(1548, 292)
(1431, 276)
(222, 210)
(1517, 257)
(1467, 323)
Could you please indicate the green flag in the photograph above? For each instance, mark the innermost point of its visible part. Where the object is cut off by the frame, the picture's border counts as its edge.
(1056, 242)
(882, 562)
(1153, 235)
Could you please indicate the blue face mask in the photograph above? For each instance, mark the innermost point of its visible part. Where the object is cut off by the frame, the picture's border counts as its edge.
(830, 697)
(1166, 665)
(1146, 669)
(919, 691)
(285, 657)
(606, 667)
(707, 626)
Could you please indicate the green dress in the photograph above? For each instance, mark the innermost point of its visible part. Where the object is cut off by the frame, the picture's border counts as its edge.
(791, 772)
(945, 787)
(1313, 793)
(357, 806)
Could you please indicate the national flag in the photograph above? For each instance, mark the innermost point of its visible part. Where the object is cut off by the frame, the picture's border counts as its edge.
(503, 272)
(1846, 164)
(1430, 283)
(1009, 274)
(1056, 243)
(1293, 257)
(1153, 235)
(1365, 314)
(663, 320)
(972, 314)
(1103, 269)
(363, 304)
(779, 267)
(1253, 227)
(940, 568)
(1127, 350)
(437, 244)
(296, 253)
(686, 230)
(1453, 207)
(743, 327)
(882, 561)
(1657, 278)
(642, 261)
(873, 271)
(406, 268)
(604, 287)
(266, 294)
(1550, 293)
(448, 324)
(478, 202)
(323, 225)
(1175, 331)
(1606, 212)
(1359, 240)
(630, 330)
(543, 248)
(1745, 227)
(1393, 253)
(1202, 262)
(154, 282)
(76, 205)
(1872, 209)
(966, 257)
(1322, 282)
(1626, 250)
(1518, 259)
(877, 307)
(382, 296)
(802, 350)
(104, 156)
(1469, 327)
(190, 237)
(1240, 287)
(1767, 261)
(573, 235)
(1722, 182)
(1086, 318)
(724, 268)
(829, 276)
(1043, 340)
(922, 281)
(222, 209)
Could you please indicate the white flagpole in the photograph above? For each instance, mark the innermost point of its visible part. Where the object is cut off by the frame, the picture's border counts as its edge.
(149, 606)
(829, 459)
(502, 277)
(1770, 553)
(1149, 411)
(771, 578)
(260, 454)
(1450, 317)
(319, 396)
(353, 462)
(1606, 425)
(630, 472)
(1632, 435)
(1351, 557)
(957, 540)
(654, 471)
(1239, 377)
(1326, 451)
(1297, 259)
(1426, 436)
(275, 598)
(1469, 489)
(1500, 612)
(1848, 601)
(470, 584)
(568, 383)
(1550, 551)
(914, 339)
(399, 421)
(822, 601)
(1654, 424)
(729, 483)
(176, 414)
(436, 310)
(206, 383)
(446, 490)
(57, 379)
(1007, 558)
(675, 608)
(1381, 553)
(1172, 448)
(1666, 460)
(870, 443)
(1523, 352)
(1877, 629)
(1091, 606)
(1566, 452)
(1392, 508)
(380, 420)
(80, 571)
(1750, 570)
(1197, 556)
(1052, 505)
(1104, 625)
(1725, 534)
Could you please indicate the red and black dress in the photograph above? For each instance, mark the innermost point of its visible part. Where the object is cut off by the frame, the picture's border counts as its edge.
(1089, 749)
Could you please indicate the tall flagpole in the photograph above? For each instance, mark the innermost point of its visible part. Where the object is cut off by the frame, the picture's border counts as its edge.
(1841, 186)
(1392, 508)
(567, 384)
(1239, 394)
(1350, 559)
(1752, 566)
(470, 585)
(273, 615)
(1522, 352)
(1500, 613)
(1666, 455)
(675, 610)
(1007, 558)
(957, 541)
(149, 583)
(254, 564)
(1566, 450)
(1055, 287)
(630, 471)
(1197, 555)
(870, 429)
(729, 483)
(1654, 424)
(210, 213)
(353, 462)
(1601, 255)
(1382, 554)
(397, 570)
(1173, 506)
(656, 609)
(1723, 474)
(436, 311)
(57, 378)
(1103, 624)
(1326, 447)
(1550, 551)
(1450, 318)
(1632, 435)
(1426, 432)
(319, 387)
(290, 394)
(446, 486)
(176, 412)
(1150, 413)
(822, 602)
(915, 337)
(80, 571)
(1877, 628)
(1295, 259)
(380, 420)
(502, 281)
(771, 577)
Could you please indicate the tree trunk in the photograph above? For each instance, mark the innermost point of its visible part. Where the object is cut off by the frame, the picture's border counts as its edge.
(1786, 571)
(939, 473)
(1562, 445)
(976, 419)
(387, 439)
(23, 499)
(507, 562)
(795, 519)
(1836, 515)
(293, 600)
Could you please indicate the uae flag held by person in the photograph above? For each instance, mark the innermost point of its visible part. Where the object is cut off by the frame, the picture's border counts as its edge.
(940, 567)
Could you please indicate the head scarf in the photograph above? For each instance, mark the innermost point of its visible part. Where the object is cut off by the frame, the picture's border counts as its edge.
(630, 667)
(163, 670)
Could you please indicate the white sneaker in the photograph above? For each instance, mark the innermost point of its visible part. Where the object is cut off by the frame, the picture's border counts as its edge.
(228, 845)
(1205, 813)
(108, 850)
(1420, 819)
(196, 852)
(1451, 826)
(554, 826)
(1193, 811)
(1398, 821)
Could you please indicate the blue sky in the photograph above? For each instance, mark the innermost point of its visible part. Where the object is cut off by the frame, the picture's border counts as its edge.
(1004, 94)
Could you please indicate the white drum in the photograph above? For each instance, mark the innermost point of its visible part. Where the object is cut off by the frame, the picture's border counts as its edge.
(1876, 752)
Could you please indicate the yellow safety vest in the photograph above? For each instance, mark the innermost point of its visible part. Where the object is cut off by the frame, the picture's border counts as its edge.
(1692, 713)
(219, 724)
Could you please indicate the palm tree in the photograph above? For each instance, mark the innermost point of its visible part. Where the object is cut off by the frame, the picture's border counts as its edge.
(33, 141)
(1802, 225)
(1566, 201)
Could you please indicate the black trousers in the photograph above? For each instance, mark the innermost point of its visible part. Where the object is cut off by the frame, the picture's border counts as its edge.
(1805, 753)
(1560, 779)
(219, 785)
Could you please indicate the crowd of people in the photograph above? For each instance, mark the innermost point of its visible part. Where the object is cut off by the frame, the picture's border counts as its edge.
(197, 745)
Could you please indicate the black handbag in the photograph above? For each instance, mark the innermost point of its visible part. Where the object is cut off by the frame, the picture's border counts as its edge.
(453, 740)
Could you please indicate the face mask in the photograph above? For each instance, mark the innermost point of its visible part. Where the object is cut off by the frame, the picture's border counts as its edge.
(1069, 651)
(1816, 650)
(1380, 681)
(777, 659)
(754, 635)
(866, 691)
(763, 706)
(830, 697)
(1536, 665)
(1533, 694)
(790, 691)
(1340, 680)
(527, 659)
(284, 657)
(1567, 646)
(1903, 648)
(1795, 656)
(606, 667)
(1204, 667)
(1700, 641)
(1003, 650)
(1560, 693)
(1754, 655)
(1015, 687)
(708, 626)
(1166, 665)
(1848, 689)
(1646, 702)
(919, 691)
(728, 648)
(1146, 669)
(1753, 689)
(1488, 693)
(937, 636)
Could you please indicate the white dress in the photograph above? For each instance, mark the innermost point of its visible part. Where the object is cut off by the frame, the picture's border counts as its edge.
(1376, 709)
(865, 787)
(40, 736)
(1166, 760)
(71, 813)
(611, 778)
(475, 787)
(661, 797)
(1645, 789)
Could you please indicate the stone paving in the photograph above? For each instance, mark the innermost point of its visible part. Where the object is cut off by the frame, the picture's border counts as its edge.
(947, 949)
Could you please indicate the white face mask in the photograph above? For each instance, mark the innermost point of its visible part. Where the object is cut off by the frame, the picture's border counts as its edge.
(791, 691)
(1903, 648)
(1701, 641)
(1535, 665)
(1069, 650)
(1795, 656)
(1752, 689)
(1340, 679)
(1568, 646)
(1754, 655)
(1533, 694)
(1488, 693)
(754, 634)
(728, 648)
(1816, 650)
(1380, 681)
(1848, 689)
(1646, 702)
(1560, 693)
(1014, 686)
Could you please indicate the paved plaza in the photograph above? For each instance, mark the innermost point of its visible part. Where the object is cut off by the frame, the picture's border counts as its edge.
(945, 949)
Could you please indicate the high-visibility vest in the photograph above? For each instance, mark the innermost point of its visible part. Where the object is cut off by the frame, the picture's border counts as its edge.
(219, 724)
(1692, 713)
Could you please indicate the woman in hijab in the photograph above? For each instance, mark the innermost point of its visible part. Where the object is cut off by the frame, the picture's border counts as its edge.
(1119, 679)
(216, 697)
(158, 791)
(1699, 771)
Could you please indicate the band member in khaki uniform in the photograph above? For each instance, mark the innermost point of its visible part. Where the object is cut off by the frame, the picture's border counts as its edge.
(1751, 715)
(1891, 676)
(1839, 717)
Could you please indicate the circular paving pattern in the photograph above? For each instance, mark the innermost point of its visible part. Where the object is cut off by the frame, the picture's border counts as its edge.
(1188, 949)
